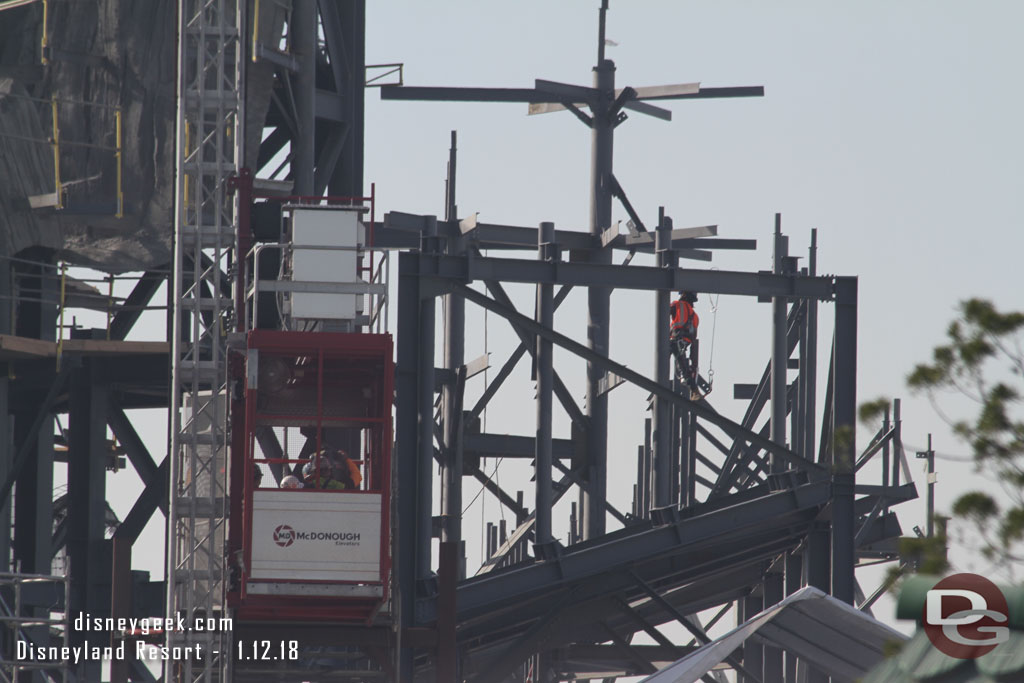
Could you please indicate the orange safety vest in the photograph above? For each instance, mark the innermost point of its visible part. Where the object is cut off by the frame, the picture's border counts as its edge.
(684, 319)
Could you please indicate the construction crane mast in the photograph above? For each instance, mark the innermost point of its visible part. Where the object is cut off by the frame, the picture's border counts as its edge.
(209, 140)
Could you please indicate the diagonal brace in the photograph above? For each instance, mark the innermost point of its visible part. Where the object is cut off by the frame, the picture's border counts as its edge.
(735, 430)
(510, 364)
(564, 397)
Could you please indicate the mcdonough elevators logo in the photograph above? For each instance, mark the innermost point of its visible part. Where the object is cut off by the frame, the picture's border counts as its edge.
(966, 616)
(284, 535)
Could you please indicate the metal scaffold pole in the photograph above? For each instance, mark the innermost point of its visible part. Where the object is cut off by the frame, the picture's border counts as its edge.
(209, 143)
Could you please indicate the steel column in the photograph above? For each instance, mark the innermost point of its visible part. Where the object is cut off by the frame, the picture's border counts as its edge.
(809, 367)
(88, 553)
(448, 570)
(662, 423)
(780, 349)
(599, 301)
(32, 458)
(451, 402)
(793, 584)
(7, 447)
(303, 32)
(406, 454)
(773, 595)
(546, 251)
(425, 409)
(753, 652)
(347, 49)
(844, 436)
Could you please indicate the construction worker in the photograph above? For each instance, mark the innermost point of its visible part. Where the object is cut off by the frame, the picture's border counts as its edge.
(683, 340)
(291, 482)
(330, 469)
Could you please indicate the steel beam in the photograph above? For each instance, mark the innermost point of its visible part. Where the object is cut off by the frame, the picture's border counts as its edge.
(465, 269)
(129, 312)
(510, 363)
(134, 448)
(500, 493)
(753, 652)
(451, 392)
(347, 49)
(302, 31)
(730, 468)
(702, 411)
(407, 466)
(152, 497)
(773, 595)
(482, 594)
(546, 251)
(425, 404)
(844, 409)
(561, 391)
(662, 422)
(809, 364)
(512, 446)
(399, 231)
(87, 553)
(794, 581)
(780, 352)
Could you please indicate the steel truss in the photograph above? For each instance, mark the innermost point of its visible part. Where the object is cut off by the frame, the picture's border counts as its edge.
(724, 512)
(748, 513)
(209, 150)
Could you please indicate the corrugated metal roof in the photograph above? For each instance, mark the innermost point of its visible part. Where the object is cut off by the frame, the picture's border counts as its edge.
(829, 634)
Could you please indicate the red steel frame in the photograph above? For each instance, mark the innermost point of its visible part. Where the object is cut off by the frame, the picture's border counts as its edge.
(334, 354)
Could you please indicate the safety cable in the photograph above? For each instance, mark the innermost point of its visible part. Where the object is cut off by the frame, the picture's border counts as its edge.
(714, 325)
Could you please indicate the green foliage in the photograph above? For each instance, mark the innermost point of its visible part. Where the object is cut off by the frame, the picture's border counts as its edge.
(983, 359)
(842, 443)
(925, 555)
(870, 411)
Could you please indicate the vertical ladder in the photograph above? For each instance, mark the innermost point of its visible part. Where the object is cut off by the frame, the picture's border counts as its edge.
(209, 148)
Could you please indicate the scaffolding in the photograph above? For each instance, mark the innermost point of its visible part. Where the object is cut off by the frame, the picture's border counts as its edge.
(24, 631)
(209, 152)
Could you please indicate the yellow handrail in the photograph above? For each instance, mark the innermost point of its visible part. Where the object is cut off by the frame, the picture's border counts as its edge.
(120, 166)
(255, 29)
(43, 44)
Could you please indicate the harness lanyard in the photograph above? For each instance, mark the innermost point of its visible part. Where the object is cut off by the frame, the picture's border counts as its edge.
(711, 355)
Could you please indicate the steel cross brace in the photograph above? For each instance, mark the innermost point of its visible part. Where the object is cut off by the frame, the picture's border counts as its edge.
(511, 362)
(735, 430)
(521, 532)
(561, 391)
(756, 405)
(697, 633)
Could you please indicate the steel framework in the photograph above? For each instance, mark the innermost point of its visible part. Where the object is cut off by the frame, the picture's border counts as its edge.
(725, 513)
(210, 135)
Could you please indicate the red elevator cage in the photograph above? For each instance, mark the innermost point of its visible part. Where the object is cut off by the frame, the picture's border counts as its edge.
(310, 554)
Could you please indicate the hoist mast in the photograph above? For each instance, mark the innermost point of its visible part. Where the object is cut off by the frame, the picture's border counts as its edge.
(209, 140)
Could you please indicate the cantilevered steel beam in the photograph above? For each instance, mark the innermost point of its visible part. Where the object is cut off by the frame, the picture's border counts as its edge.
(464, 269)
